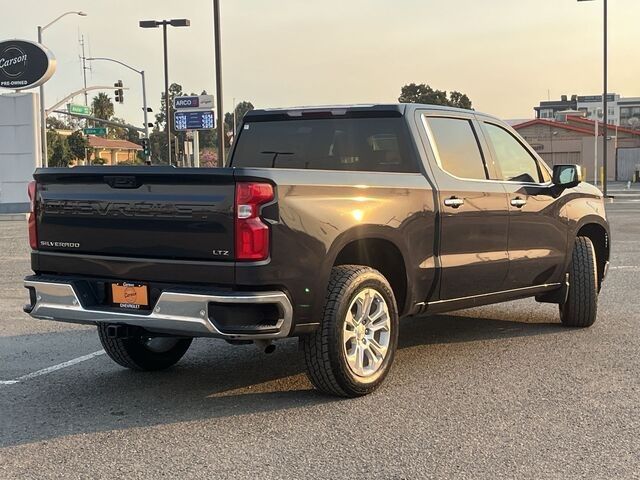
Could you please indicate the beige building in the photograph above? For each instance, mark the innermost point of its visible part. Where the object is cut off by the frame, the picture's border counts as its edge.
(572, 141)
(113, 151)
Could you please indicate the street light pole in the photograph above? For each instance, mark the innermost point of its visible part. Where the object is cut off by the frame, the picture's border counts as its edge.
(43, 116)
(144, 88)
(167, 103)
(606, 109)
(604, 101)
(183, 22)
(219, 103)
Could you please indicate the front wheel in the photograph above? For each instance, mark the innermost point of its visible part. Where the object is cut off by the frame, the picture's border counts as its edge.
(144, 353)
(581, 307)
(352, 351)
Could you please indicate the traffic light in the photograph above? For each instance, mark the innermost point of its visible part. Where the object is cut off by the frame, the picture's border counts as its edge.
(119, 92)
(146, 147)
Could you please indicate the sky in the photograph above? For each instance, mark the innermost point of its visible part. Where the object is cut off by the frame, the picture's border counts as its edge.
(506, 55)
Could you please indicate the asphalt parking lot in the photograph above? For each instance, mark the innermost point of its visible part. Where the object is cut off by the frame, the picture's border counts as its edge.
(496, 392)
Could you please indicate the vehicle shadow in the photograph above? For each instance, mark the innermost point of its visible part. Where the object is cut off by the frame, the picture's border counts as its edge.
(214, 380)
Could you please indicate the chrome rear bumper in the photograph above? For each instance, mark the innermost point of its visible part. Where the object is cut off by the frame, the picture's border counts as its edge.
(176, 313)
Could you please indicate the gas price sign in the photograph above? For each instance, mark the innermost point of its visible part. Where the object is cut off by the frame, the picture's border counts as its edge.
(194, 120)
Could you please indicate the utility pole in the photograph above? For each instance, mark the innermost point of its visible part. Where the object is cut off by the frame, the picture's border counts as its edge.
(606, 109)
(219, 107)
(84, 71)
(145, 107)
(181, 22)
(605, 106)
(43, 115)
(234, 119)
(43, 118)
(595, 151)
(167, 102)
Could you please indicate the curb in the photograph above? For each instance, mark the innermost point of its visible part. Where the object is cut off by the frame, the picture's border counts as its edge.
(13, 217)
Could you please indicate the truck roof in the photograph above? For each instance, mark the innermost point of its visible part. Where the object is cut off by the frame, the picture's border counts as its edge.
(352, 110)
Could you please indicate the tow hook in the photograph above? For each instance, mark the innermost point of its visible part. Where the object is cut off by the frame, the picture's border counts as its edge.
(266, 346)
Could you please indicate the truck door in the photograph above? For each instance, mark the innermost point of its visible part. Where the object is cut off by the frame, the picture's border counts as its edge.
(537, 232)
(474, 213)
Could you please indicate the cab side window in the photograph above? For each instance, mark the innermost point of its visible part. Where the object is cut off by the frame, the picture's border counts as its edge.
(457, 147)
(515, 162)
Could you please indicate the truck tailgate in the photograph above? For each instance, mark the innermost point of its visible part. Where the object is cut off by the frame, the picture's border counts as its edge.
(144, 212)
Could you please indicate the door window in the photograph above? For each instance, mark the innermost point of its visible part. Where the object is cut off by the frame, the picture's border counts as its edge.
(515, 162)
(457, 147)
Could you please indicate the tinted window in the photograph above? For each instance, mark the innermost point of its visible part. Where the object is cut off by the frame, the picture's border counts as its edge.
(364, 144)
(457, 147)
(515, 162)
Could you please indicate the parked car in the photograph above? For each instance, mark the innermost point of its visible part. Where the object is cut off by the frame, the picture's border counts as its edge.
(329, 224)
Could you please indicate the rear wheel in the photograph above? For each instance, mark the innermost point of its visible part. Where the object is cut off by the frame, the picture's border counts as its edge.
(144, 353)
(581, 307)
(351, 353)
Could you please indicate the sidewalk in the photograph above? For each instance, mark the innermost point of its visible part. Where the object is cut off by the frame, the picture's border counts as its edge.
(619, 191)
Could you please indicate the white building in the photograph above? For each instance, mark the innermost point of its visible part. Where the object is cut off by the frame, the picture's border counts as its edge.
(592, 106)
(624, 112)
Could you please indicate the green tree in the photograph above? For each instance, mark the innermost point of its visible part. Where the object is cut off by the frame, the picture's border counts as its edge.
(422, 93)
(78, 145)
(59, 155)
(102, 106)
(208, 138)
(158, 138)
(158, 143)
(241, 109)
(459, 100)
(55, 123)
(175, 90)
(119, 133)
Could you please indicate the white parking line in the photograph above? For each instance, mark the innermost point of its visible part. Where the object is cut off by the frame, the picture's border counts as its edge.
(625, 267)
(53, 368)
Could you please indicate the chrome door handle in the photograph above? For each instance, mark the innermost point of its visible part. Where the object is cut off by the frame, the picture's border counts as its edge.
(454, 202)
(518, 202)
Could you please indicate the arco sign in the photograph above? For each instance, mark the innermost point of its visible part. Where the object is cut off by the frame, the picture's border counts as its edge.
(25, 64)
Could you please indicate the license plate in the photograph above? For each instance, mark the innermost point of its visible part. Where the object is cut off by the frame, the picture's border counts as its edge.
(130, 295)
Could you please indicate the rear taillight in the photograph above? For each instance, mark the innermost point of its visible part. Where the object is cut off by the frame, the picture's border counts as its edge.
(33, 229)
(252, 234)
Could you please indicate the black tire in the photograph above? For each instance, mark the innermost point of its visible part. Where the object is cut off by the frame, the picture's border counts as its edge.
(581, 307)
(134, 353)
(327, 365)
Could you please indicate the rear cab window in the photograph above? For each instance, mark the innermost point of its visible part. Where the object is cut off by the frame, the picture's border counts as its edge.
(335, 143)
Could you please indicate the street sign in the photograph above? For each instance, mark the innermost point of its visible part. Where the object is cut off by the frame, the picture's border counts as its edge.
(25, 64)
(78, 109)
(194, 120)
(98, 131)
(200, 102)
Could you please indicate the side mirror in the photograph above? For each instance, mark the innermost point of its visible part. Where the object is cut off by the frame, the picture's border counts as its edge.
(567, 176)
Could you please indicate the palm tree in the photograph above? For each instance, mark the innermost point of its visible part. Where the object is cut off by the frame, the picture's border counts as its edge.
(102, 106)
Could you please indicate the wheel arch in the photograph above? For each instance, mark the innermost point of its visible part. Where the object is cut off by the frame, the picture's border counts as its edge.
(375, 248)
(596, 230)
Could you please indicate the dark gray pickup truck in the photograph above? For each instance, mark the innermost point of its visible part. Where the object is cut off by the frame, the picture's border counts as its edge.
(329, 224)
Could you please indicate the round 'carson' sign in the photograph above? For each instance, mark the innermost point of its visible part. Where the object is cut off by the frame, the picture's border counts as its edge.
(25, 64)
